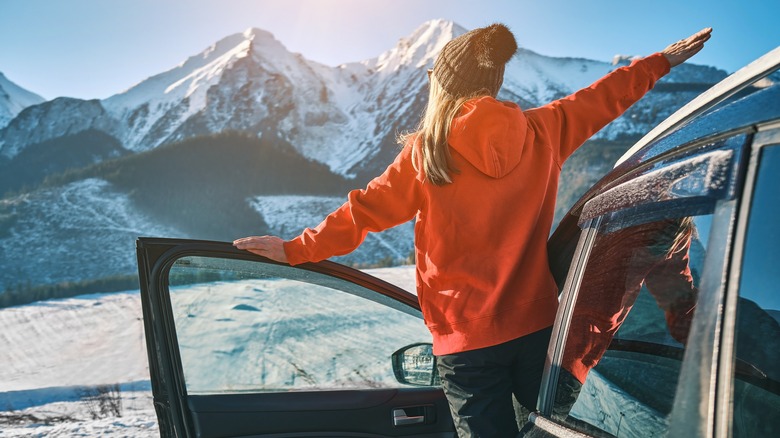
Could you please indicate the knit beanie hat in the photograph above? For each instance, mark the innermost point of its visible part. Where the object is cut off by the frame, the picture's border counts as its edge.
(475, 61)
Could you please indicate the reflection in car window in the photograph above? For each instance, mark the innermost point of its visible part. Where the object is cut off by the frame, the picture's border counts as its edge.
(757, 368)
(250, 327)
(629, 327)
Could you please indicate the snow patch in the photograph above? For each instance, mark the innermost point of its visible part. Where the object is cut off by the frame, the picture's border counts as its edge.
(288, 216)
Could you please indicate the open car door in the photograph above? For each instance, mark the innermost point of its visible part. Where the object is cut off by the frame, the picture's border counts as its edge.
(243, 346)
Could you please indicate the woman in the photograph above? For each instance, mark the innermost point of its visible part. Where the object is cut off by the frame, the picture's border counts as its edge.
(480, 176)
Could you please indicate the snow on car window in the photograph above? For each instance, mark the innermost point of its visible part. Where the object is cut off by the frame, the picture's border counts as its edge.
(703, 175)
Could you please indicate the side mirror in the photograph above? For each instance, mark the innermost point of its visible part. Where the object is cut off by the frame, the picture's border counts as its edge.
(415, 365)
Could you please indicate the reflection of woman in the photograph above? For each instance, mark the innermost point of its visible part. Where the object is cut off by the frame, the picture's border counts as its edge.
(480, 176)
(655, 255)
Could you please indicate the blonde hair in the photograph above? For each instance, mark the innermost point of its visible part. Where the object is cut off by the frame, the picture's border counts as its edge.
(685, 234)
(434, 130)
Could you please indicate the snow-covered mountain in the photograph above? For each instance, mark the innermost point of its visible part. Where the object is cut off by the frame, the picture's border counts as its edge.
(13, 99)
(339, 116)
(50, 120)
(251, 82)
(346, 118)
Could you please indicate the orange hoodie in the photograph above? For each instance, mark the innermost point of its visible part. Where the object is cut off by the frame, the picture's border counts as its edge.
(481, 241)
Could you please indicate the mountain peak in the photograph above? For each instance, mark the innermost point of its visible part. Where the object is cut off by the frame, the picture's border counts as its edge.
(253, 33)
(420, 47)
(259, 38)
(13, 99)
(443, 25)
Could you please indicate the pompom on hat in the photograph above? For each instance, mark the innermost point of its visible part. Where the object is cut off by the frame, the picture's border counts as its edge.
(475, 61)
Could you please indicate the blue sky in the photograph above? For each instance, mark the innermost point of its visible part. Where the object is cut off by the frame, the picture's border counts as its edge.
(96, 48)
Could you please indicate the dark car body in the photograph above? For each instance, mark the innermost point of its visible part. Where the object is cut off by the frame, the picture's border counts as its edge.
(667, 323)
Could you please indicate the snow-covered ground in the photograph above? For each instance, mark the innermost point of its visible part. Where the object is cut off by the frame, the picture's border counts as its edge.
(51, 351)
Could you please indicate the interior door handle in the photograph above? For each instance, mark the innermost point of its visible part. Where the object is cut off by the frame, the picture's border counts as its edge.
(401, 419)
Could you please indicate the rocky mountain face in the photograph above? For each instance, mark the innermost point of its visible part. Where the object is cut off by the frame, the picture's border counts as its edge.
(344, 118)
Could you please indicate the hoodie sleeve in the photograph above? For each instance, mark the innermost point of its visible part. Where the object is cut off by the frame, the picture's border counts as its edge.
(570, 121)
(388, 200)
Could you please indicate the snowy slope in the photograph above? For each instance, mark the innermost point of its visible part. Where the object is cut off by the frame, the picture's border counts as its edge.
(54, 348)
(87, 340)
(86, 229)
(98, 339)
(13, 99)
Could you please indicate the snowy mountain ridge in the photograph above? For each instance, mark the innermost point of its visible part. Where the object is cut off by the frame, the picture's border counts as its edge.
(346, 116)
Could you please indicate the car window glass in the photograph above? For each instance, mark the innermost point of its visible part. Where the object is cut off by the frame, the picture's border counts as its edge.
(629, 327)
(757, 368)
(245, 326)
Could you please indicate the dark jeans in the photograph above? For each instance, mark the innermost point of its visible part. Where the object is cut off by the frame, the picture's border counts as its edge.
(479, 384)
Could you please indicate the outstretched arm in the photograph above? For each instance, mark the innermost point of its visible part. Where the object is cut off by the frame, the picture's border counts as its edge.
(389, 199)
(570, 121)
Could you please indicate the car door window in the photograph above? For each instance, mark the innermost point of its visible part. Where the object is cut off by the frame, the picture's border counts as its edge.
(629, 325)
(243, 326)
(756, 399)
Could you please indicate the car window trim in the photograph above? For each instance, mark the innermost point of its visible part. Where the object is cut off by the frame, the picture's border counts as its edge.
(766, 136)
(620, 197)
(563, 317)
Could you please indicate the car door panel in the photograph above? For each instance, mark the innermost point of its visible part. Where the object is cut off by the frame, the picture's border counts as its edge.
(242, 346)
(368, 411)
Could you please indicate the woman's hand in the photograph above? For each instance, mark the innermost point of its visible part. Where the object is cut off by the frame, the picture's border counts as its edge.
(680, 51)
(271, 247)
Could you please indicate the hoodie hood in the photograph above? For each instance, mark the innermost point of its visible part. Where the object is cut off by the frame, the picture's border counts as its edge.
(490, 135)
